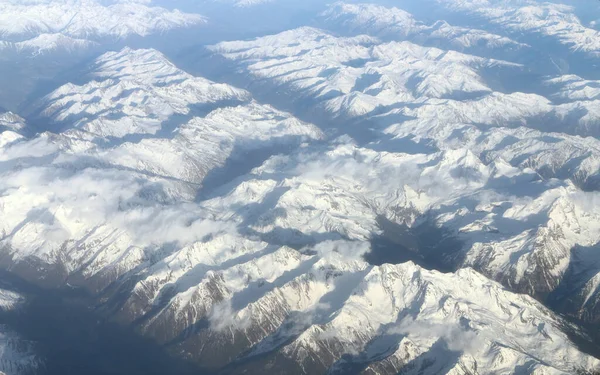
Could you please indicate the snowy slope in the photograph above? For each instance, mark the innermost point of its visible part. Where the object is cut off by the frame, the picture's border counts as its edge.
(141, 163)
(133, 92)
(275, 293)
(225, 262)
(397, 24)
(359, 75)
(353, 76)
(78, 19)
(242, 3)
(393, 239)
(333, 310)
(68, 26)
(17, 356)
(517, 137)
(48, 43)
(558, 22)
(574, 88)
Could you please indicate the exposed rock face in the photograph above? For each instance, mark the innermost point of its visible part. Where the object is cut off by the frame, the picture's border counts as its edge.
(448, 188)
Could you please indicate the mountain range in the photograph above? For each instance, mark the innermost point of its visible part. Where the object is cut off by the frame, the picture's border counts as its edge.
(383, 190)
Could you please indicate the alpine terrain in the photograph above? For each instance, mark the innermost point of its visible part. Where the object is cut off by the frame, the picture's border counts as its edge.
(273, 186)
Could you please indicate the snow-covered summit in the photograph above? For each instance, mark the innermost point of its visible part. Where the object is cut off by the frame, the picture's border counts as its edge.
(88, 19)
(446, 191)
(74, 25)
(397, 24)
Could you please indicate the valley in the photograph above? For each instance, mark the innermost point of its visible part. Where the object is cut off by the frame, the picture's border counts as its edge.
(359, 187)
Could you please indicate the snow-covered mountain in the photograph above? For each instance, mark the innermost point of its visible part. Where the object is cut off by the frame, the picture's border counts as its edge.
(87, 19)
(48, 43)
(43, 43)
(359, 75)
(397, 24)
(48, 27)
(546, 19)
(17, 355)
(241, 3)
(318, 204)
(124, 136)
(384, 191)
